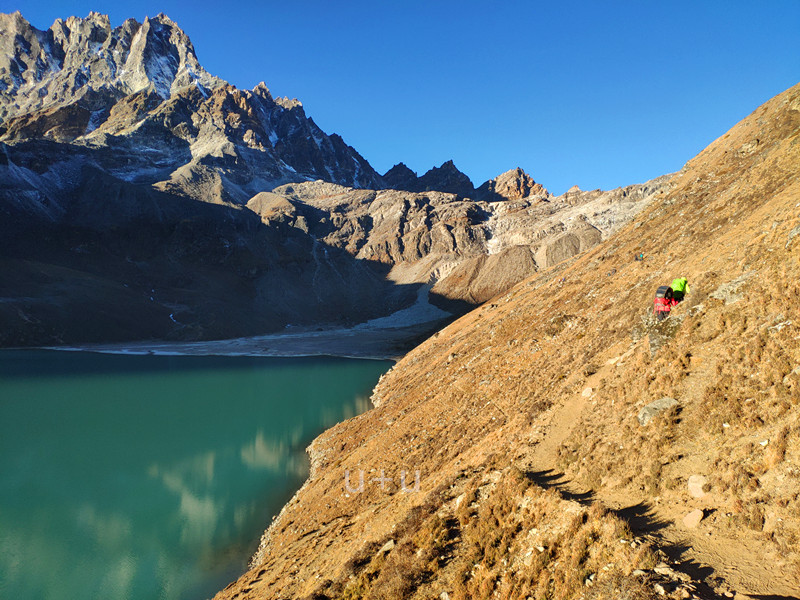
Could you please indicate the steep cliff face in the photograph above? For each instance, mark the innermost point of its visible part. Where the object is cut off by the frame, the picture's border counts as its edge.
(541, 474)
(137, 96)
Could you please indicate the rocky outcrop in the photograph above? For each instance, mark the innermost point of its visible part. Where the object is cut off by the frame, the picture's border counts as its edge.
(446, 178)
(649, 412)
(515, 184)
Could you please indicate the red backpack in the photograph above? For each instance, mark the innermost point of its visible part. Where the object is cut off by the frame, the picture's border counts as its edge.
(663, 301)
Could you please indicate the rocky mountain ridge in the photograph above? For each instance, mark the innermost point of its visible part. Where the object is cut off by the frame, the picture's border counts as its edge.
(78, 58)
(468, 250)
(137, 96)
(515, 184)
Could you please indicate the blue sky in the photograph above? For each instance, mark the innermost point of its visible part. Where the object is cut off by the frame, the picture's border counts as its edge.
(598, 94)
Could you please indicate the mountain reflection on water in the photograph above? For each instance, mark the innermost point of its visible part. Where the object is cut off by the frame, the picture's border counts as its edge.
(154, 477)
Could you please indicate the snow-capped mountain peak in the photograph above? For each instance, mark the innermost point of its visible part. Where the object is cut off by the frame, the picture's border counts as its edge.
(40, 69)
(138, 96)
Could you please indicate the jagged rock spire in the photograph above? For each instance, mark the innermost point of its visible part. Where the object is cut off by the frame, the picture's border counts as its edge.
(511, 185)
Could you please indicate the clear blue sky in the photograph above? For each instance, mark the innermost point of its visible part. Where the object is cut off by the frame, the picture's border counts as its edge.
(599, 94)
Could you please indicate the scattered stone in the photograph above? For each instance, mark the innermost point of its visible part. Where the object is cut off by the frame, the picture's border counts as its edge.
(778, 326)
(587, 392)
(696, 309)
(660, 590)
(764, 443)
(444, 596)
(795, 371)
(729, 292)
(698, 486)
(540, 548)
(794, 232)
(639, 573)
(387, 547)
(654, 408)
(692, 519)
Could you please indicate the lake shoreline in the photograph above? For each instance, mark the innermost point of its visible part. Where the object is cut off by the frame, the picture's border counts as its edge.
(363, 342)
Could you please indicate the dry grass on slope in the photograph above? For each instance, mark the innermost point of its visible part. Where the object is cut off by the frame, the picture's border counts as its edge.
(552, 376)
(502, 536)
(729, 354)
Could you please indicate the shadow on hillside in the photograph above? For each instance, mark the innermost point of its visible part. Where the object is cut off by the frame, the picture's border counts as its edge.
(642, 520)
(552, 479)
(115, 261)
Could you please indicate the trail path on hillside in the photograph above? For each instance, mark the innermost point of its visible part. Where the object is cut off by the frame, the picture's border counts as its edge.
(740, 565)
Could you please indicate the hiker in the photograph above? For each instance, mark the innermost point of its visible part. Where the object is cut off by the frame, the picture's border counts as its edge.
(663, 302)
(680, 288)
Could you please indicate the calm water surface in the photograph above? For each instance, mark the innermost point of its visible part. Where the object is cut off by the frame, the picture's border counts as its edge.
(153, 476)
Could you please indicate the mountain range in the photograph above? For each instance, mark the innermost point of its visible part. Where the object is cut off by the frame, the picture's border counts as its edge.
(144, 198)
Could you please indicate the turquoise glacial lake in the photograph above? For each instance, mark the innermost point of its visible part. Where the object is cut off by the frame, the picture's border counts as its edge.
(153, 477)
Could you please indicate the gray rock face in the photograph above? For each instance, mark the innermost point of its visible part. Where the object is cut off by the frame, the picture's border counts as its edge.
(733, 291)
(138, 97)
(80, 57)
(655, 408)
(792, 234)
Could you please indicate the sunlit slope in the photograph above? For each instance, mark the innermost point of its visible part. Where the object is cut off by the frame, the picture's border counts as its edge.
(548, 379)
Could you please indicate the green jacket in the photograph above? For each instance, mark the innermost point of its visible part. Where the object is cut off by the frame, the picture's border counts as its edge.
(680, 285)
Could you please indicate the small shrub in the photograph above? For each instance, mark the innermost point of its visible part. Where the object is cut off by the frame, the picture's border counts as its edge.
(621, 588)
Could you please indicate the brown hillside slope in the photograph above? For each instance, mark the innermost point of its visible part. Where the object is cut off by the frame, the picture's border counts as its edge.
(522, 419)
